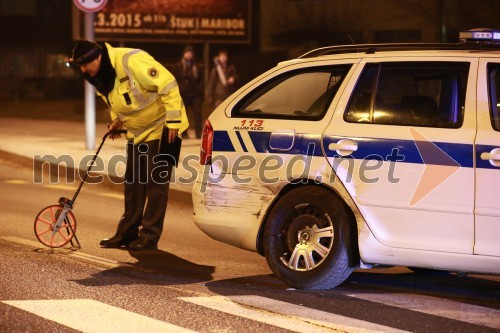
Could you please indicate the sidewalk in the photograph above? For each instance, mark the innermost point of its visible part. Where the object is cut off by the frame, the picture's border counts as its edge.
(33, 141)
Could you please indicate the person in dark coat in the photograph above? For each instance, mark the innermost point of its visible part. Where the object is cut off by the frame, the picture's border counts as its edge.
(189, 78)
(223, 80)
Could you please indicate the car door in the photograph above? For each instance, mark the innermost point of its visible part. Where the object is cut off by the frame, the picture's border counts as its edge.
(401, 141)
(487, 209)
(279, 122)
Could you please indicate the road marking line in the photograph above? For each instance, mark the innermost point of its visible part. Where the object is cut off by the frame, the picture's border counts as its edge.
(89, 315)
(286, 315)
(73, 188)
(473, 314)
(266, 310)
(108, 263)
(16, 182)
(110, 195)
(289, 309)
(103, 262)
(62, 187)
(59, 187)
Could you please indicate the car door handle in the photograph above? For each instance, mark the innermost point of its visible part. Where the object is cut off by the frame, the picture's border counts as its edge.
(493, 156)
(490, 156)
(343, 146)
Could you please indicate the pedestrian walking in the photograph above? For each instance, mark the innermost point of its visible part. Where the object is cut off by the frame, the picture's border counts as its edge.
(223, 80)
(144, 98)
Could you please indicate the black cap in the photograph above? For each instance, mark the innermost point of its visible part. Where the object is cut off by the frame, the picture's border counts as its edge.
(84, 52)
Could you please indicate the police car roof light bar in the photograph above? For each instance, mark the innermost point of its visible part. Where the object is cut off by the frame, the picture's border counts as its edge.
(474, 40)
(480, 35)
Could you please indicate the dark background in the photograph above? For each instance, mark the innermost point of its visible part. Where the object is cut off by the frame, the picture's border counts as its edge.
(37, 36)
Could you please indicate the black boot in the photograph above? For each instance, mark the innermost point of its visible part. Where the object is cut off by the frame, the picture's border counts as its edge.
(116, 241)
(143, 244)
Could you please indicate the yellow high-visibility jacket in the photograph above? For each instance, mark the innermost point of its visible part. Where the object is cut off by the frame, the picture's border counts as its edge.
(145, 96)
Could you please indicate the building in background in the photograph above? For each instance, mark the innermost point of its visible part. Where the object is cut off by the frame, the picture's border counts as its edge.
(300, 25)
(33, 44)
(37, 35)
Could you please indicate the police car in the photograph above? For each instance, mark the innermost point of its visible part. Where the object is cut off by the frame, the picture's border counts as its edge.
(354, 156)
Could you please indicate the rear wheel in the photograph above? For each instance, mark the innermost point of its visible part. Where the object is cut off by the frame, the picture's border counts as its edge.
(306, 239)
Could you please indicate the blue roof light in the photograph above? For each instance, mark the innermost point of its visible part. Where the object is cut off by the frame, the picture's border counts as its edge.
(480, 35)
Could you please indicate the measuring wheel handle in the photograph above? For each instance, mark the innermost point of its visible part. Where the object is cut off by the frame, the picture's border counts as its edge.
(65, 202)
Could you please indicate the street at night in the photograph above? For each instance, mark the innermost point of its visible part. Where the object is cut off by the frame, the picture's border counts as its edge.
(224, 166)
(195, 283)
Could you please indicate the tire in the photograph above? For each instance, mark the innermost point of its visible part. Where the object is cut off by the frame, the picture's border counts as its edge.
(320, 219)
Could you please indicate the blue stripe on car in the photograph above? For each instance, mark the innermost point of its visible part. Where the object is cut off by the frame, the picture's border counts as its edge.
(368, 148)
(461, 153)
(305, 144)
(222, 142)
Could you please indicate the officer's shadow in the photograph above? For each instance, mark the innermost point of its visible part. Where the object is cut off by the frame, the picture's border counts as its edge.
(153, 267)
(167, 263)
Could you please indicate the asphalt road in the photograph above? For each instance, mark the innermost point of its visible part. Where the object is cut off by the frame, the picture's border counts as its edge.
(195, 283)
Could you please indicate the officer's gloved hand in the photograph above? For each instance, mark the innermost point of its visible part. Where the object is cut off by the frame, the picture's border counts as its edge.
(115, 125)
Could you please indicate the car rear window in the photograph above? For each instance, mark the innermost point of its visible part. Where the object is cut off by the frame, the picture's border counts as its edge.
(303, 94)
(429, 94)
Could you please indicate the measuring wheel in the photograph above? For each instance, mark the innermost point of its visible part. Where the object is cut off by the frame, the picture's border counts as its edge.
(55, 226)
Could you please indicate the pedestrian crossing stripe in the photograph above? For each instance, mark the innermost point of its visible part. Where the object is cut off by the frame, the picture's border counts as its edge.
(270, 311)
(289, 316)
(436, 306)
(91, 316)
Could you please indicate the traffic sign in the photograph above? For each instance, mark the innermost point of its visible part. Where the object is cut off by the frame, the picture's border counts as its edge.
(90, 6)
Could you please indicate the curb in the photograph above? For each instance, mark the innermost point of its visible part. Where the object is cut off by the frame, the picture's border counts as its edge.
(109, 181)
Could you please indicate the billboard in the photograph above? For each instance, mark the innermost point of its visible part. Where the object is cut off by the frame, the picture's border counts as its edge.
(226, 21)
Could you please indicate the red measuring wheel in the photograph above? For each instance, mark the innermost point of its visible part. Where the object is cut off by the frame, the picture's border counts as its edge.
(47, 231)
(55, 225)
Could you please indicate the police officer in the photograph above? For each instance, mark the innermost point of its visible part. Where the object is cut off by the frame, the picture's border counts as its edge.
(144, 98)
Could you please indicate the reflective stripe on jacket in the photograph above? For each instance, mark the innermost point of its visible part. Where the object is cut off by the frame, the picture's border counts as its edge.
(145, 96)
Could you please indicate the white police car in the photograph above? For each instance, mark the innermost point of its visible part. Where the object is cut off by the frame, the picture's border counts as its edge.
(360, 155)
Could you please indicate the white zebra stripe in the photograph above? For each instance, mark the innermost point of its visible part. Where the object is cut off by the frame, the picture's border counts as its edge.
(88, 315)
(441, 307)
(286, 315)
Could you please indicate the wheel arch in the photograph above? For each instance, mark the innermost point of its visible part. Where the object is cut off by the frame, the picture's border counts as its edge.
(353, 250)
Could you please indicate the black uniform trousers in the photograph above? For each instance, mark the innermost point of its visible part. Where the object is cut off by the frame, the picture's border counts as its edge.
(147, 178)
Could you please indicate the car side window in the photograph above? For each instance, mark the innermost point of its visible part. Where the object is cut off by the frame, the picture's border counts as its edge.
(430, 94)
(494, 94)
(304, 94)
